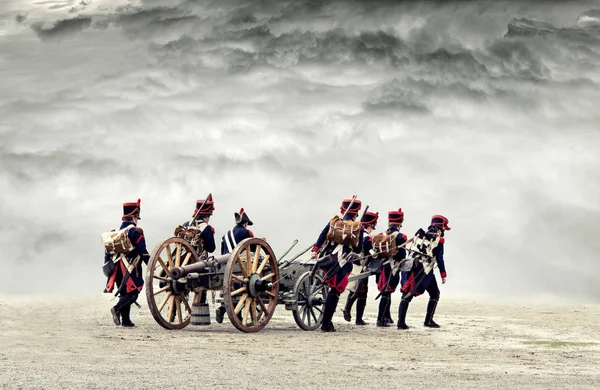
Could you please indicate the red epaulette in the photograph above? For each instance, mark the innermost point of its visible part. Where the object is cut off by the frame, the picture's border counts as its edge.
(212, 229)
(404, 237)
(442, 240)
(250, 232)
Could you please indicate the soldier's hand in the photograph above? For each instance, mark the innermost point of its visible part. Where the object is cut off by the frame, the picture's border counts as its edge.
(264, 238)
(443, 280)
(313, 255)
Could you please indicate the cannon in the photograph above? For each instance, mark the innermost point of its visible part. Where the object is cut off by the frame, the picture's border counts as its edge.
(251, 281)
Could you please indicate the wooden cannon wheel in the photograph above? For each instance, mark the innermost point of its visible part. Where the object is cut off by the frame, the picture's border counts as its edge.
(168, 299)
(311, 295)
(251, 285)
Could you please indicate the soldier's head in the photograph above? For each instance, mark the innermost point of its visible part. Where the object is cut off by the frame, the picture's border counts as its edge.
(131, 211)
(369, 221)
(242, 219)
(396, 218)
(352, 207)
(440, 222)
(204, 209)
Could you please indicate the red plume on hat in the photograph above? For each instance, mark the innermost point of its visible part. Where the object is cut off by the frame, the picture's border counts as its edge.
(242, 217)
(205, 207)
(131, 209)
(370, 218)
(354, 206)
(440, 220)
(396, 216)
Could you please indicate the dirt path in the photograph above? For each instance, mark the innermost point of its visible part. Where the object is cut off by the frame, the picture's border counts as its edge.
(71, 343)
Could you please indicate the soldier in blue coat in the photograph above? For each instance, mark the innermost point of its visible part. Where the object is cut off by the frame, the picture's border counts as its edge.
(336, 277)
(386, 280)
(239, 233)
(229, 241)
(202, 213)
(359, 293)
(128, 284)
(415, 282)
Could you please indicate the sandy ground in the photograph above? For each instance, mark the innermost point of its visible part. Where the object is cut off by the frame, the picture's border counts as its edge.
(60, 343)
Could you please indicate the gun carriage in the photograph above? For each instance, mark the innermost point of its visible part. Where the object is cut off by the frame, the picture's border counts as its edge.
(251, 280)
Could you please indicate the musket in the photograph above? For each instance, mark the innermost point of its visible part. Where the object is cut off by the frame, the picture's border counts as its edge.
(200, 208)
(288, 250)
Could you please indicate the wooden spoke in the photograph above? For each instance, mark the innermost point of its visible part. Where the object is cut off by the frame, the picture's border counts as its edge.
(247, 309)
(158, 280)
(256, 256)
(164, 302)
(178, 255)
(262, 305)
(161, 278)
(188, 256)
(254, 312)
(262, 265)
(241, 264)
(241, 280)
(178, 308)
(170, 256)
(238, 291)
(246, 312)
(240, 304)
(162, 290)
(172, 308)
(269, 276)
(306, 287)
(249, 260)
(187, 305)
(162, 264)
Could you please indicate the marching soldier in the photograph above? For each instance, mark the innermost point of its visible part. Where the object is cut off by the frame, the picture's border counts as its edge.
(387, 281)
(331, 247)
(359, 290)
(129, 283)
(201, 217)
(416, 282)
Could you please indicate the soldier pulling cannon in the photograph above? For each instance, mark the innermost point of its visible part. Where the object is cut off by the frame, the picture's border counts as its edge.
(181, 270)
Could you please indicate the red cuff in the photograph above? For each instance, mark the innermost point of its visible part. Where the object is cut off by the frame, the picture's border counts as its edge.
(443, 274)
(315, 248)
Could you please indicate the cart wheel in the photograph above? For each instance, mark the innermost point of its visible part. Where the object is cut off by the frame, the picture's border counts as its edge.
(251, 285)
(168, 299)
(311, 295)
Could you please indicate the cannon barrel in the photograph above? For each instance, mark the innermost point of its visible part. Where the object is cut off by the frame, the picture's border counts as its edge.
(181, 272)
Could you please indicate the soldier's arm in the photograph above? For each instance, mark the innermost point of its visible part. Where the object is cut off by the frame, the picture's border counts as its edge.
(359, 247)
(321, 239)
(138, 240)
(440, 258)
(208, 239)
(401, 239)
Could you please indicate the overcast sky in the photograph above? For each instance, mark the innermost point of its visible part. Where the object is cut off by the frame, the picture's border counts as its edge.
(486, 112)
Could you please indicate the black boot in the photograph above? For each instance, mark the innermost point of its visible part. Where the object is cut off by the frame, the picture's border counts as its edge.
(125, 311)
(388, 315)
(125, 300)
(383, 304)
(220, 314)
(360, 310)
(348, 308)
(330, 304)
(430, 312)
(402, 309)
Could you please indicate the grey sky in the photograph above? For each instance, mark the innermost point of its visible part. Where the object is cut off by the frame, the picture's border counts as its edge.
(485, 112)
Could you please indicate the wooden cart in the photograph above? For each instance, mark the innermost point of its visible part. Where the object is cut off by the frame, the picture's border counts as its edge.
(251, 281)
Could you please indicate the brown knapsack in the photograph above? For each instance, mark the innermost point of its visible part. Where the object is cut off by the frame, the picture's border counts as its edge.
(385, 244)
(344, 232)
(118, 242)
